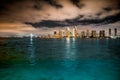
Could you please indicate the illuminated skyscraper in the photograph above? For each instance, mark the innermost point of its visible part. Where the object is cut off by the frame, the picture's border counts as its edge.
(83, 34)
(110, 33)
(93, 34)
(60, 33)
(63, 33)
(102, 34)
(55, 32)
(87, 33)
(31, 37)
(115, 32)
(67, 32)
(75, 31)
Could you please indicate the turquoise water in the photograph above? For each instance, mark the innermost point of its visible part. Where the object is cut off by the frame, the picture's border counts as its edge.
(59, 59)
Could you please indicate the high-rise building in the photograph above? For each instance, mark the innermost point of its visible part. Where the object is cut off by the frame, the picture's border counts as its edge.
(67, 32)
(60, 34)
(83, 34)
(102, 33)
(93, 34)
(55, 32)
(115, 32)
(75, 31)
(110, 33)
(87, 33)
(63, 33)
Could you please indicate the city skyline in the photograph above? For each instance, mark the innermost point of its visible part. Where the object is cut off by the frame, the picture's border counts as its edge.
(42, 17)
(74, 33)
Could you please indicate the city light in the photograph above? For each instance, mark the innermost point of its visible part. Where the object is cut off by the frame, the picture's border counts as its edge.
(74, 33)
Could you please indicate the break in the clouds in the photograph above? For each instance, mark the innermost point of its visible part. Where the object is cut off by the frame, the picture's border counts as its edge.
(58, 13)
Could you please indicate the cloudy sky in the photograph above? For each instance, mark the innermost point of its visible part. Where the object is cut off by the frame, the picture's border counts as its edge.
(21, 17)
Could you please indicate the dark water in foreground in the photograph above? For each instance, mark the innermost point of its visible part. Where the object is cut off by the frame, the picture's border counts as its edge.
(59, 59)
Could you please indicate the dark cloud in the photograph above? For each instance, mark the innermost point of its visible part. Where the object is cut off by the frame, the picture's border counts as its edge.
(107, 20)
(99, 14)
(76, 21)
(37, 7)
(54, 3)
(5, 3)
(48, 23)
(118, 4)
(77, 3)
(108, 9)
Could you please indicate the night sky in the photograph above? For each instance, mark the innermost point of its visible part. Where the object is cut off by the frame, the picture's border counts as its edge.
(21, 17)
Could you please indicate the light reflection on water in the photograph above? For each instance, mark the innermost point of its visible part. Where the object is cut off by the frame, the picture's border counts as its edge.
(31, 52)
(70, 52)
(64, 59)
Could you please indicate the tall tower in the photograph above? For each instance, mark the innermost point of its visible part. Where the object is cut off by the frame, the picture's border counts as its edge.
(110, 33)
(83, 34)
(67, 32)
(102, 34)
(75, 31)
(93, 34)
(60, 34)
(87, 33)
(55, 32)
(115, 32)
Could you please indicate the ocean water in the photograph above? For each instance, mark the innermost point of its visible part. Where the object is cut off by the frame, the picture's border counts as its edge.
(59, 59)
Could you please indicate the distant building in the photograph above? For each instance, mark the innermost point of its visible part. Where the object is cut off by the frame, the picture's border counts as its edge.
(63, 33)
(102, 34)
(110, 33)
(60, 34)
(75, 31)
(83, 34)
(93, 34)
(55, 32)
(48, 36)
(67, 32)
(115, 32)
(87, 34)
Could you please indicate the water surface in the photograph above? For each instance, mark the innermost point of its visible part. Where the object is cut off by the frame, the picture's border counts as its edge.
(59, 59)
